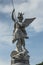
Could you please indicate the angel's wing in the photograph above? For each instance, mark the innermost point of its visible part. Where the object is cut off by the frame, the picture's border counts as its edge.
(27, 22)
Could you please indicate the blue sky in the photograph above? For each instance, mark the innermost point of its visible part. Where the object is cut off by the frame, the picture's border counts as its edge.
(31, 8)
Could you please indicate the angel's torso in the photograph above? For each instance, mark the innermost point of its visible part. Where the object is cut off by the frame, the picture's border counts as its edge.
(17, 26)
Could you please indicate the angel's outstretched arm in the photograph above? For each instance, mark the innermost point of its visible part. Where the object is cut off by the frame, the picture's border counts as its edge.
(13, 15)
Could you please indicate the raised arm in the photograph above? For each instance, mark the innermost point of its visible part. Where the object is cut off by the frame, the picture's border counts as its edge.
(13, 15)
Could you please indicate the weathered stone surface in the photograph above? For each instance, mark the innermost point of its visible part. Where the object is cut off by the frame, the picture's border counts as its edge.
(20, 64)
(19, 57)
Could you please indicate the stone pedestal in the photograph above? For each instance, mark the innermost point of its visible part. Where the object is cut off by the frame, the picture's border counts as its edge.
(19, 58)
(20, 64)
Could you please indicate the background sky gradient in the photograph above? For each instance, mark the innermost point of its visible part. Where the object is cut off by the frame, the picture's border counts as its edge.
(30, 8)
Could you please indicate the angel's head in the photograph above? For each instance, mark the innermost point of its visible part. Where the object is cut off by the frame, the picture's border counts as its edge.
(20, 17)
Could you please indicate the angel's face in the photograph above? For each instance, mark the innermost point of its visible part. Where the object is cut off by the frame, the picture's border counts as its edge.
(20, 17)
(20, 20)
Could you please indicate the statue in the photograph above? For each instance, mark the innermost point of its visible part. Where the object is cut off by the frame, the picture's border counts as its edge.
(19, 32)
(20, 56)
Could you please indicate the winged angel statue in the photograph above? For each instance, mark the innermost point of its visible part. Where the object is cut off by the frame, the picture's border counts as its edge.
(19, 32)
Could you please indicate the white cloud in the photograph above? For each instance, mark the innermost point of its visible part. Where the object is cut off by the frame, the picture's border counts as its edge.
(2, 62)
(25, 6)
(3, 28)
(5, 8)
(5, 33)
(37, 25)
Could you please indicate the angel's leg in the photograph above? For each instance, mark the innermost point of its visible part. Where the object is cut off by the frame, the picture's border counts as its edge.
(19, 46)
(23, 43)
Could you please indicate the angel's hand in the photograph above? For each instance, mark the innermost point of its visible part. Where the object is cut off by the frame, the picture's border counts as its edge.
(13, 10)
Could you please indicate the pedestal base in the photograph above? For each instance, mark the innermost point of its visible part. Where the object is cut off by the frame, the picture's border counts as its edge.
(20, 64)
(14, 61)
(19, 58)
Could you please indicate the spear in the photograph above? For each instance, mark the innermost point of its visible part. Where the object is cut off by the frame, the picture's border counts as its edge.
(13, 3)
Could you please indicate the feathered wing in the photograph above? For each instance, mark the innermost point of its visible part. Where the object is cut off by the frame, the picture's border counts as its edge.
(27, 22)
